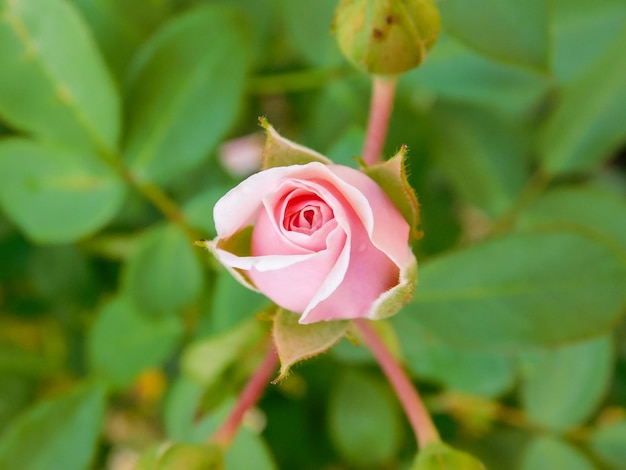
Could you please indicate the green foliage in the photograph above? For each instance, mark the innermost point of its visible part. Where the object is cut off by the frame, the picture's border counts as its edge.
(378, 430)
(58, 433)
(71, 99)
(118, 335)
(521, 29)
(177, 84)
(123, 342)
(549, 452)
(522, 290)
(562, 387)
(56, 195)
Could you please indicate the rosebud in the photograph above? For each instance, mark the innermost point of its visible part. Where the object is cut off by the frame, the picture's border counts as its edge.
(386, 37)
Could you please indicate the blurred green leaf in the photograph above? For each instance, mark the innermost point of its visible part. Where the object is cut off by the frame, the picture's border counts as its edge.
(184, 93)
(551, 453)
(467, 371)
(295, 342)
(58, 89)
(232, 304)
(60, 433)
(507, 30)
(562, 387)
(364, 421)
(164, 274)
(457, 73)
(439, 456)
(308, 27)
(248, 450)
(609, 443)
(588, 210)
(587, 126)
(54, 195)
(124, 342)
(482, 155)
(199, 210)
(120, 26)
(521, 290)
(207, 359)
(583, 30)
(181, 408)
(16, 392)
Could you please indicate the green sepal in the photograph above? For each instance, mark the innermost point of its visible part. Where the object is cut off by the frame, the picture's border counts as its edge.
(279, 151)
(295, 342)
(391, 176)
(391, 301)
(440, 456)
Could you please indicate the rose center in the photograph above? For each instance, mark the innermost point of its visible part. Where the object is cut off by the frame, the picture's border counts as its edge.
(306, 215)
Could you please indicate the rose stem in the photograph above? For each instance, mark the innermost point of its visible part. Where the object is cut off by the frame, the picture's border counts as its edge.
(383, 92)
(247, 399)
(423, 427)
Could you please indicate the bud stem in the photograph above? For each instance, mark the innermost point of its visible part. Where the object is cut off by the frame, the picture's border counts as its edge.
(383, 92)
(247, 399)
(425, 431)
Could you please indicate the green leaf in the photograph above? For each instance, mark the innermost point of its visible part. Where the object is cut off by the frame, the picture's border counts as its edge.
(232, 303)
(587, 126)
(192, 457)
(365, 424)
(440, 456)
(199, 210)
(164, 274)
(592, 211)
(247, 451)
(206, 360)
(55, 195)
(120, 27)
(507, 30)
(459, 74)
(483, 156)
(124, 342)
(562, 387)
(474, 372)
(609, 443)
(391, 177)
(521, 290)
(551, 452)
(279, 151)
(184, 94)
(61, 433)
(307, 25)
(295, 342)
(583, 30)
(59, 89)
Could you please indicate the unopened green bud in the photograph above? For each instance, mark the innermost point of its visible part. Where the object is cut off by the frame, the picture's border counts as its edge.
(386, 37)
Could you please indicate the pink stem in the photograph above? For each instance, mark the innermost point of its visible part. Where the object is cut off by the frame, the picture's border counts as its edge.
(423, 427)
(383, 92)
(248, 398)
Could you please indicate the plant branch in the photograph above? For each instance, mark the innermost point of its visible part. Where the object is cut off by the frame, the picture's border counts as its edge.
(381, 105)
(248, 398)
(425, 431)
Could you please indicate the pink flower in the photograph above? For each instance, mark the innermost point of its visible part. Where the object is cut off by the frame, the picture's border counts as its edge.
(324, 241)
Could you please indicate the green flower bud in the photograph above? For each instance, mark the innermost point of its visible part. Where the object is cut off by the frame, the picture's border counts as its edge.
(386, 37)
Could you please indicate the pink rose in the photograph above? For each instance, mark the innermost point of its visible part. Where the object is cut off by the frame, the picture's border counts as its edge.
(324, 241)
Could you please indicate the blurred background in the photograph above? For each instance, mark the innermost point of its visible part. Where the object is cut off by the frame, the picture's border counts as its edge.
(123, 121)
